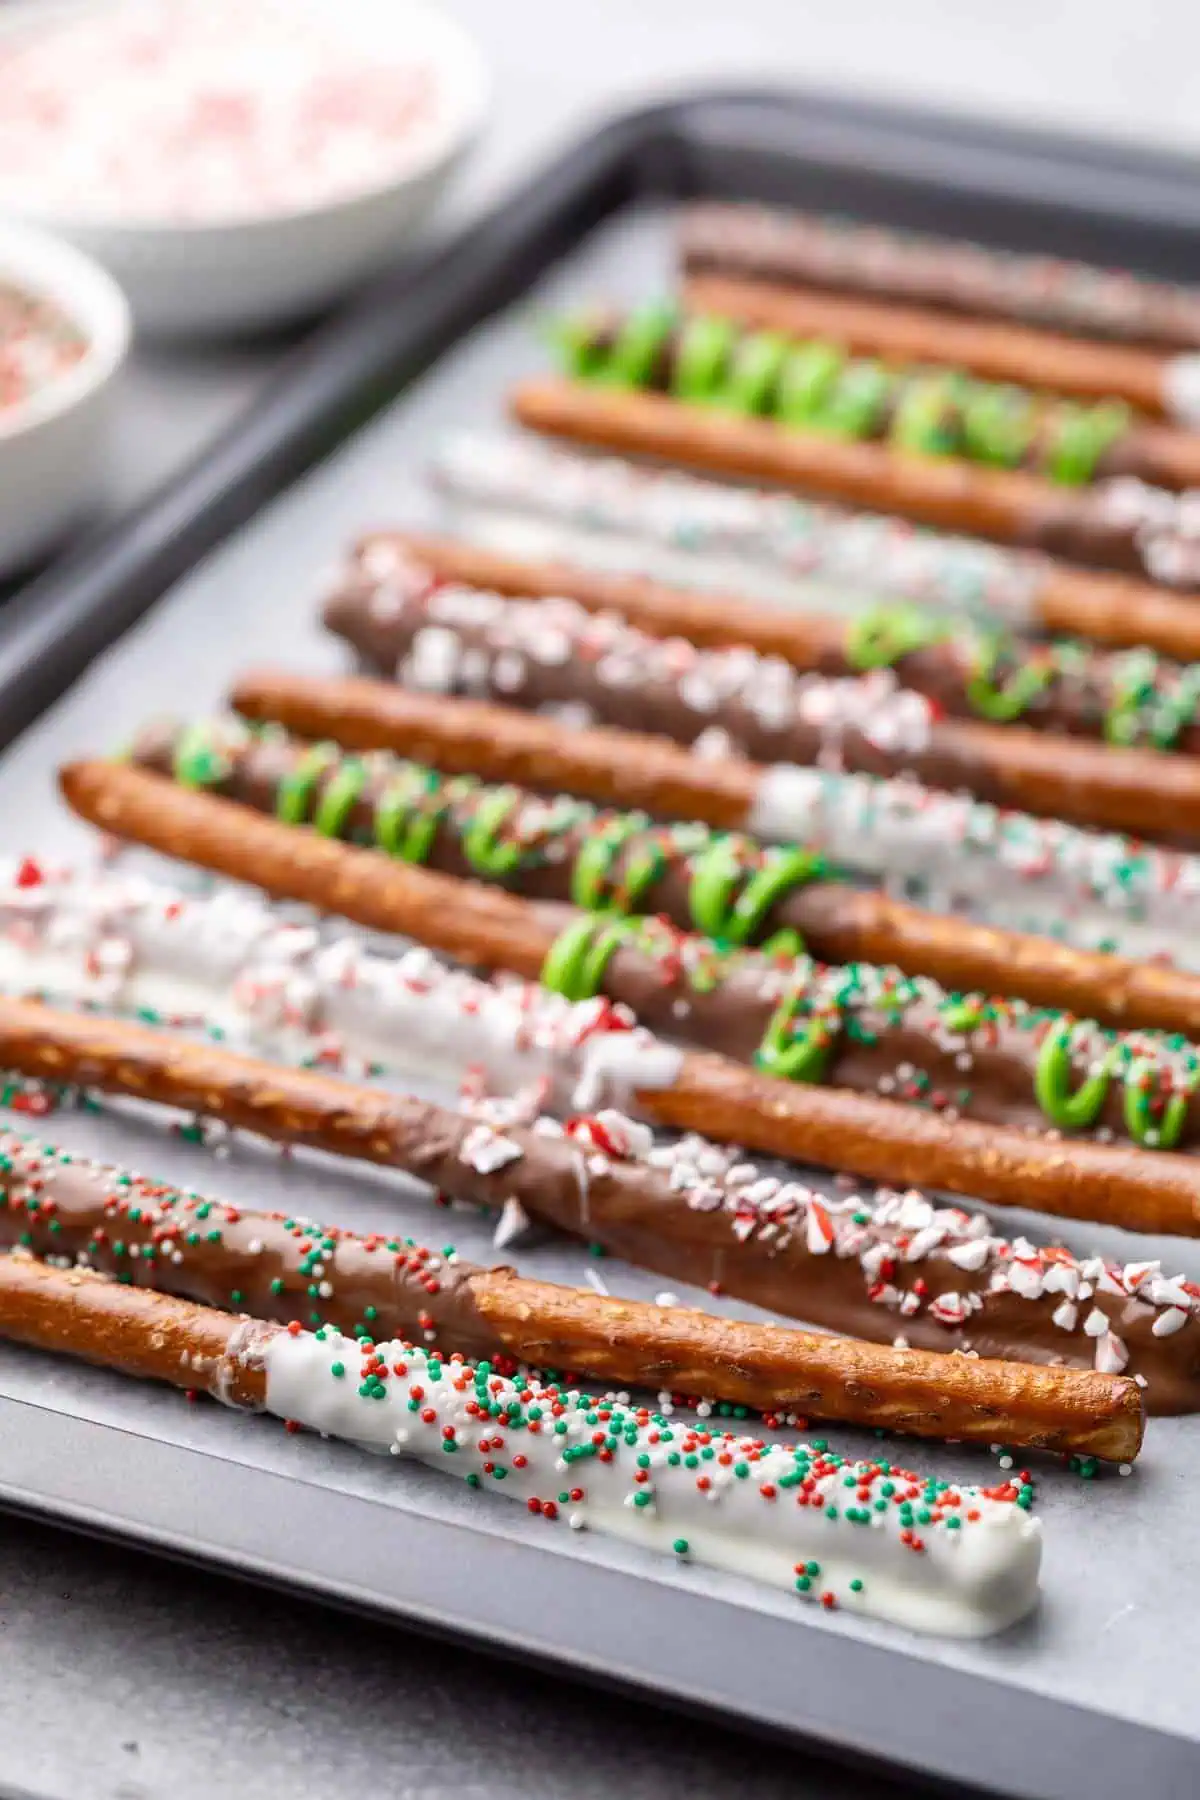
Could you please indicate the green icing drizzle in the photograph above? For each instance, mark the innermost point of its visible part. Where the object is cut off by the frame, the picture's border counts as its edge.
(885, 634)
(798, 1055)
(1158, 1126)
(576, 961)
(818, 387)
(730, 905)
(1006, 699)
(338, 800)
(199, 760)
(293, 796)
(485, 849)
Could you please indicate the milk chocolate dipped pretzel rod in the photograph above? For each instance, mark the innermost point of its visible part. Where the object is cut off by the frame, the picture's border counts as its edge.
(815, 387)
(734, 703)
(860, 1027)
(277, 1266)
(404, 599)
(1121, 524)
(980, 1551)
(854, 1262)
(850, 257)
(1144, 1189)
(943, 846)
(1154, 383)
(723, 886)
(606, 513)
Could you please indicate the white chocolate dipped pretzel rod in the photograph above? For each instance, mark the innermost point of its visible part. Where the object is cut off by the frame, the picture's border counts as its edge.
(615, 512)
(929, 1273)
(777, 1514)
(527, 498)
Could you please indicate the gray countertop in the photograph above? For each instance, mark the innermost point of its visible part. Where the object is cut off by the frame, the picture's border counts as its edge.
(126, 1677)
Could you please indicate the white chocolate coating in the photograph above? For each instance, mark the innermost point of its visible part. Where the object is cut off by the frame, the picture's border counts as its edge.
(955, 854)
(611, 513)
(223, 959)
(1181, 388)
(969, 1578)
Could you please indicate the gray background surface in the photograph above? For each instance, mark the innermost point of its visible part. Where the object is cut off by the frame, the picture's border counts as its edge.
(125, 1677)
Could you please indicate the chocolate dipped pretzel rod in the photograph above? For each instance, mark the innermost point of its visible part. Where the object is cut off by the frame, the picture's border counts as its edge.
(723, 886)
(731, 706)
(815, 387)
(608, 513)
(878, 1139)
(946, 846)
(1112, 524)
(1156, 384)
(404, 599)
(858, 1263)
(277, 1266)
(224, 963)
(980, 1551)
(861, 1027)
(850, 257)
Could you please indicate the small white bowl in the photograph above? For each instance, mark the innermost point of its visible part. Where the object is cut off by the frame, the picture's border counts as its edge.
(52, 446)
(199, 277)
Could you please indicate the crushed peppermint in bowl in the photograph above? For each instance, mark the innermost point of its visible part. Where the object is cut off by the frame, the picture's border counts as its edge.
(64, 334)
(39, 344)
(234, 161)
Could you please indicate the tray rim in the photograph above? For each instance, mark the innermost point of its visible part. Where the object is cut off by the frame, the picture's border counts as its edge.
(812, 1685)
(320, 395)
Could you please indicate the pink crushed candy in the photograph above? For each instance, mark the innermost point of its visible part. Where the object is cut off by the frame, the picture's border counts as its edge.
(181, 110)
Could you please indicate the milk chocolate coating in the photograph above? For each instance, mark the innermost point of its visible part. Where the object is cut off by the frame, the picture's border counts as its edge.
(1083, 685)
(235, 1259)
(837, 923)
(1135, 790)
(159, 1337)
(956, 275)
(151, 1236)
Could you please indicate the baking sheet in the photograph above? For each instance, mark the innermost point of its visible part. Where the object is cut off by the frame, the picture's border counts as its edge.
(1119, 1630)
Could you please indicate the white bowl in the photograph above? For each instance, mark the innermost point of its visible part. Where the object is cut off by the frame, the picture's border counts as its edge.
(199, 277)
(53, 446)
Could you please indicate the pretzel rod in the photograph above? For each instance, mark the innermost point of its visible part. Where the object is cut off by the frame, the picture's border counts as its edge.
(402, 597)
(619, 515)
(981, 1550)
(228, 964)
(1146, 379)
(859, 1027)
(814, 386)
(272, 1264)
(1145, 1189)
(869, 727)
(861, 1263)
(944, 845)
(852, 257)
(722, 886)
(1111, 524)
(269, 1264)
(557, 658)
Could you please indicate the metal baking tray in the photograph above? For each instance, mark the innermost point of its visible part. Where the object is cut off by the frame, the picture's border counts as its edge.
(225, 566)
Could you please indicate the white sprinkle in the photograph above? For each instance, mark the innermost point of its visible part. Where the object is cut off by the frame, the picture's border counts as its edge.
(1169, 1322)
